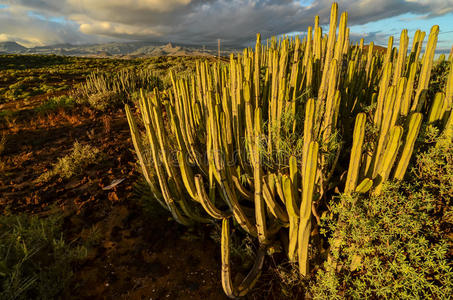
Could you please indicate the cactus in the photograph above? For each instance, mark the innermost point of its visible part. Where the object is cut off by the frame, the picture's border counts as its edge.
(260, 209)
(364, 186)
(241, 130)
(227, 283)
(414, 127)
(437, 108)
(389, 157)
(427, 64)
(310, 168)
(356, 153)
(401, 60)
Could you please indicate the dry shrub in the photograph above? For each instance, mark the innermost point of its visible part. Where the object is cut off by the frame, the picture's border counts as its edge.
(74, 163)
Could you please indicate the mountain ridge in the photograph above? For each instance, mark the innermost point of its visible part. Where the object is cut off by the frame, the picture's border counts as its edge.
(115, 49)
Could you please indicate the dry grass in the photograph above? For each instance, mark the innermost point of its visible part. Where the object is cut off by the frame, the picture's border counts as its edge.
(74, 163)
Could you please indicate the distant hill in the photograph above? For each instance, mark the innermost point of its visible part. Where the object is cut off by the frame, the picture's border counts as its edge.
(376, 48)
(116, 49)
(11, 47)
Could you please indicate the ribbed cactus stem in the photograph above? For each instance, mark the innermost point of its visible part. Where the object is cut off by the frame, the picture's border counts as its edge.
(414, 48)
(308, 188)
(257, 69)
(356, 153)
(317, 39)
(207, 204)
(170, 201)
(329, 51)
(389, 157)
(421, 38)
(388, 53)
(369, 59)
(187, 175)
(385, 127)
(289, 185)
(138, 146)
(383, 87)
(437, 108)
(402, 54)
(308, 46)
(341, 37)
(399, 98)
(406, 104)
(364, 186)
(330, 105)
(260, 208)
(308, 128)
(412, 134)
(346, 45)
(427, 63)
(227, 283)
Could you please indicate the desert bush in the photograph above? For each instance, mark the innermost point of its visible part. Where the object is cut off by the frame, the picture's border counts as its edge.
(104, 100)
(74, 163)
(35, 260)
(55, 103)
(396, 245)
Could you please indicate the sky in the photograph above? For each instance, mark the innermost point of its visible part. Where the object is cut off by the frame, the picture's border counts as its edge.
(202, 22)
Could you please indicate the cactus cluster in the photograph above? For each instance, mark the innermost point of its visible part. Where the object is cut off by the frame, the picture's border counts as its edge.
(219, 138)
(124, 82)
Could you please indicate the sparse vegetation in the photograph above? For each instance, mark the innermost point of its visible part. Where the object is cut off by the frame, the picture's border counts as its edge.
(74, 163)
(55, 103)
(35, 260)
(26, 76)
(396, 244)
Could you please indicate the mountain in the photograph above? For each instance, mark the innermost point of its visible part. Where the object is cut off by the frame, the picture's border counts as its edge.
(115, 49)
(11, 47)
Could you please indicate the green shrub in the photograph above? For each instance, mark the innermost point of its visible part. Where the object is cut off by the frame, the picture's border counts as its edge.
(63, 102)
(35, 260)
(74, 163)
(104, 100)
(396, 245)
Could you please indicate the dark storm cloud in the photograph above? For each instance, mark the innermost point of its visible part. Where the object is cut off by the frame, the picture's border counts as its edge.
(235, 22)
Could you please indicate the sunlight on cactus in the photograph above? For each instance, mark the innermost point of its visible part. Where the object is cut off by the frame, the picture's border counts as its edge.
(268, 139)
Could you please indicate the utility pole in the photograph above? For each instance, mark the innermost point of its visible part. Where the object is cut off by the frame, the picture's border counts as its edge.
(218, 47)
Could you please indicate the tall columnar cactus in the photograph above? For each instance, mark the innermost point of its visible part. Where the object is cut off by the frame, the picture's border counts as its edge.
(356, 154)
(413, 129)
(425, 71)
(308, 189)
(260, 141)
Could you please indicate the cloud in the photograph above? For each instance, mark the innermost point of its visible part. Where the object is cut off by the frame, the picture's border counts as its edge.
(29, 29)
(235, 22)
